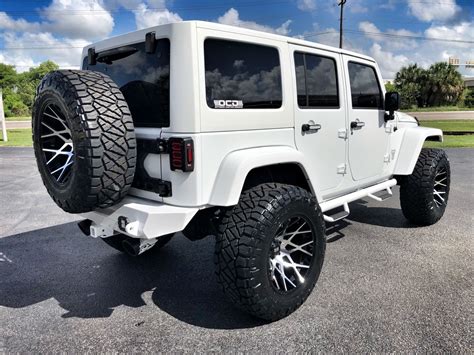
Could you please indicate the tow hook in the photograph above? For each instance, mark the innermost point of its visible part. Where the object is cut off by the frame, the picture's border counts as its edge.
(128, 227)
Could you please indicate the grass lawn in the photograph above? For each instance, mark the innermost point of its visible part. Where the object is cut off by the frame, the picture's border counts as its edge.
(22, 118)
(466, 141)
(438, 109)
(451, 125)
(17, 138)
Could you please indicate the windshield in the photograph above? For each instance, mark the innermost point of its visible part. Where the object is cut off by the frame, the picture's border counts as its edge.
(143, 78)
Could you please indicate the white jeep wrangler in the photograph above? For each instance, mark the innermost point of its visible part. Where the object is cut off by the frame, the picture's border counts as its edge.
(255, 138)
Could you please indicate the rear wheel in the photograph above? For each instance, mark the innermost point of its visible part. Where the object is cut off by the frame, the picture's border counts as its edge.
(424, 194)
(270, 250)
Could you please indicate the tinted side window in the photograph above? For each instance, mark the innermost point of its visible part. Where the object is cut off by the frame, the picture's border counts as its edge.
(301, 80)
(144, 80)
(316, 79)
(365, 89)
(245, 73)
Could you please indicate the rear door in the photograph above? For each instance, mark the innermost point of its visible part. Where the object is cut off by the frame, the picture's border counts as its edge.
(320, 122)
(368, 139)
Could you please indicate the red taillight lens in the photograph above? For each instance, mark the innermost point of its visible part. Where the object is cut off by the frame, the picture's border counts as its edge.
(181, 154)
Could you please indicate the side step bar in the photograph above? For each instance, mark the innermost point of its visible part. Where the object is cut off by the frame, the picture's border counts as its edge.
(370, 191)
(338, 215)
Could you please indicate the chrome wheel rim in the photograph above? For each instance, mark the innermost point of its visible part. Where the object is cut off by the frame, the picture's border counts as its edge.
(440, 187)
(292, 254)
(56, 144)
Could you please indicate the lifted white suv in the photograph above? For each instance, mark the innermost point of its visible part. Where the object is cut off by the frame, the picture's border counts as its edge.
(255, 138)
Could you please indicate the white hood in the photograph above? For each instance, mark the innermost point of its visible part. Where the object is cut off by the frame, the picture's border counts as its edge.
(403, 117)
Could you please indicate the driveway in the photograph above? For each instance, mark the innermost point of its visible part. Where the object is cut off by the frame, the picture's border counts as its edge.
(386, 285)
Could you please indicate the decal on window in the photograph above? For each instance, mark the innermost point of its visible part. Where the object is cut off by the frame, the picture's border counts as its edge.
(228, 104)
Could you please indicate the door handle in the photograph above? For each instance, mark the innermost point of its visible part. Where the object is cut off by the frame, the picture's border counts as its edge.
(310, 127)
(357, 124)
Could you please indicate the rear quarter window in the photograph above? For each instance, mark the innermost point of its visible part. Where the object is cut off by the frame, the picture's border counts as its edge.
(242, 75)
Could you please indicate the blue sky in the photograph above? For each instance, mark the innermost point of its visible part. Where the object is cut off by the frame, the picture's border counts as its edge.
(383, 29)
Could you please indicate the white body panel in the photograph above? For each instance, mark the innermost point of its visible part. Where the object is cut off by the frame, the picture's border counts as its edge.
(330, 138)
(367, 145)
(229, 143)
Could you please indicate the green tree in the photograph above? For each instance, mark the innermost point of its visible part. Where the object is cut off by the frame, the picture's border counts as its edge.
(410, 82)
(8, 76)
(13, 105)
(19, 89)
(390, 87)
(469, 98)
(444, 85)
(28, 81)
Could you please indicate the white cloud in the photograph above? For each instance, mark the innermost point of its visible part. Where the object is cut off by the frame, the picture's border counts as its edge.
(392, 53)
(389, 63)
(78, 19)
(307, 5)
(392, 42)
(85, 19)
(434, 10)
(148, 17)
(390, 5)
(20, 25)
(21, 61)
(357, 7)
(231, 17)
(463, 31)
(65, 52)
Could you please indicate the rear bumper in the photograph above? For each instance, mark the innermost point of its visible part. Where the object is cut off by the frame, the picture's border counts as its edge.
(139, 218)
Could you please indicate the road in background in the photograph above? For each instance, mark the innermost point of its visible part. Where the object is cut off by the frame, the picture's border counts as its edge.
(386, 285)
(451, 115)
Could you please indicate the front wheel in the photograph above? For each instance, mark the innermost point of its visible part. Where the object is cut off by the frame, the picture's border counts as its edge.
(424, 194)
(270, 250)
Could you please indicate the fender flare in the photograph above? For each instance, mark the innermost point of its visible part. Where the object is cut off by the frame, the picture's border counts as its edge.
(236, 165)
(410, 149)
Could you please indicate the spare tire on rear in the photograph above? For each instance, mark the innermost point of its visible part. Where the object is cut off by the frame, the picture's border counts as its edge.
(84, 140)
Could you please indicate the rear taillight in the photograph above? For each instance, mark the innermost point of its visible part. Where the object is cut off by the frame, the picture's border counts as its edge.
(181, 152)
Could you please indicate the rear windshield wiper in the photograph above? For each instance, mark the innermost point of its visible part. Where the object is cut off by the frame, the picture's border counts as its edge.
(110, 55)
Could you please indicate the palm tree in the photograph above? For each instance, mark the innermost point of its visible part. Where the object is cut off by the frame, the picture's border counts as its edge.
(444, 86)
(410, 82)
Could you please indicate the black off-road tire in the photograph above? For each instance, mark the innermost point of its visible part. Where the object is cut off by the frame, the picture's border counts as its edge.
(116, 241)
(102, 134)
(245, 242)
(417, 191)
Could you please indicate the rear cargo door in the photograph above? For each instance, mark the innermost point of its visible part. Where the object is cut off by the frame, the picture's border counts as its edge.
(144, 79)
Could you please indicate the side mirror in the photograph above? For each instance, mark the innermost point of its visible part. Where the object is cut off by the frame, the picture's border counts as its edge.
(392, 104)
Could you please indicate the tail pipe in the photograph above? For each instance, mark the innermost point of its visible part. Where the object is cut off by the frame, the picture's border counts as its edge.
(135, 247)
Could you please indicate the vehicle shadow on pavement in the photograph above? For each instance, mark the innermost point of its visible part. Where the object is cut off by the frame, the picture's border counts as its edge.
(378, 216)
(89, 279)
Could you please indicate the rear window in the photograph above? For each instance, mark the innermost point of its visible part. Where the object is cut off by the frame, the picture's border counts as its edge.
(144, 79)
(316, 81)
(242, 75)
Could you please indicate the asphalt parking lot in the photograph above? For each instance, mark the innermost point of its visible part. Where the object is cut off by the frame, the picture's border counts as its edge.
(386, 285)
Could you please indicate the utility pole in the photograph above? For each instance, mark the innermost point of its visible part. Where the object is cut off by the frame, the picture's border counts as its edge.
(2, 119)
(341, 4)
